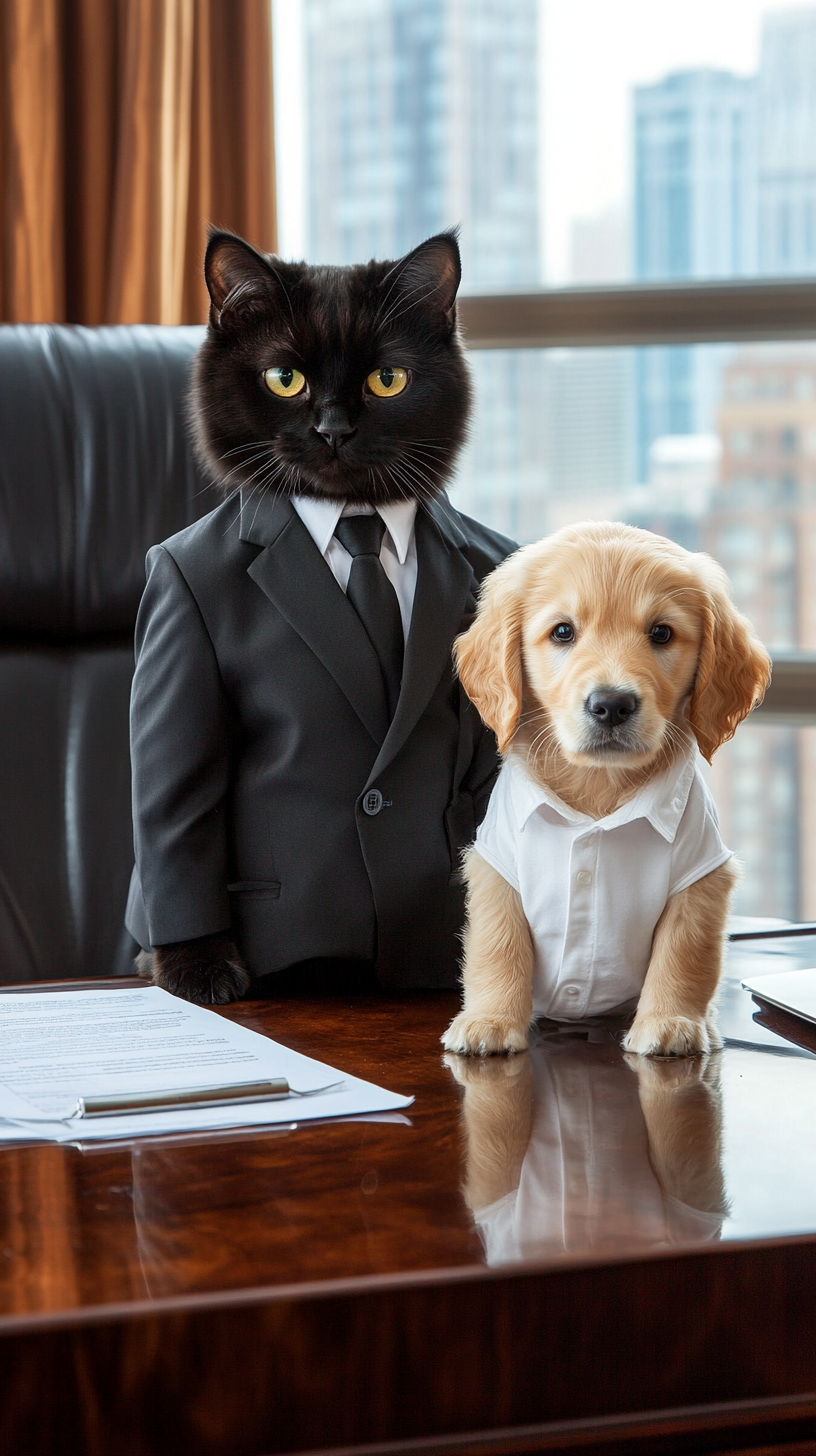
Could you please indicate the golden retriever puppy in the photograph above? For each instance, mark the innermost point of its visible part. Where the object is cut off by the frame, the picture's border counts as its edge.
(606, 660)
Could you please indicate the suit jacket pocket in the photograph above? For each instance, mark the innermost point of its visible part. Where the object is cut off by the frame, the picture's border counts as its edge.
(256, 889)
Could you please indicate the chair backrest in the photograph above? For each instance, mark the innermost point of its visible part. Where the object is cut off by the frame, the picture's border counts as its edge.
(95, 467)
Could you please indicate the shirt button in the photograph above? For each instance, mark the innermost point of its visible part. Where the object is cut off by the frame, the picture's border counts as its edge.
(573, 990)
(584, 877)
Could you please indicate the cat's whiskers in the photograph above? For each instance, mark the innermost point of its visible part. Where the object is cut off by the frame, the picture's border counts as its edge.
(422, 491)
(266, 464)
(276, 472)
(435, 447)
(425, 469)
(433, 468)
(265, 457)
(405, 475)
(250, 445)
(426, 490)
(267, 485)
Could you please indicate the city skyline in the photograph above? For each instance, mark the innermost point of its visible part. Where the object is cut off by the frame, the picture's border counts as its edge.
(590, 58)
(426, 113)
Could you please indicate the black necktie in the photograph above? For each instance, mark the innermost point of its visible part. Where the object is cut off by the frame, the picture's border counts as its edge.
(373, 597)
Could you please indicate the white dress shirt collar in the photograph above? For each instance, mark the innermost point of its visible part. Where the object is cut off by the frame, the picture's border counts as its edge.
(661, 800)
(320, 518)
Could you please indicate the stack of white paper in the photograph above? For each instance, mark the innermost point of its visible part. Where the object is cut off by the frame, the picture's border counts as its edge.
(56, 1047)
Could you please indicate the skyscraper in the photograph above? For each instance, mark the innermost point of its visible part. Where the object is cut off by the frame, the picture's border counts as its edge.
(422, 114)
(762, 527)
(695, 216)
(787, 143)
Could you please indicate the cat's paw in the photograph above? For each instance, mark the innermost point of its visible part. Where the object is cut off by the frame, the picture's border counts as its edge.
(483, 1036)
(207, 971)
(668, 1036)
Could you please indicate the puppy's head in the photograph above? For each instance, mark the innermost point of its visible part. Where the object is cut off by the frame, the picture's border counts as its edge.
(610, 638)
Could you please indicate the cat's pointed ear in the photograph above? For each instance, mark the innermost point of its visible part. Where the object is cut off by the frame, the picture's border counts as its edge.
(239, 279)
(429, 277)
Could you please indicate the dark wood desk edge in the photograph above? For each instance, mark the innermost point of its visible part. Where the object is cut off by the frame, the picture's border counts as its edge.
(430, 1355)
(312, 1291)
(635, 1427)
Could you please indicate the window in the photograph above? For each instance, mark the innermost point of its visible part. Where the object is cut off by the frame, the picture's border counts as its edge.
(667, 153)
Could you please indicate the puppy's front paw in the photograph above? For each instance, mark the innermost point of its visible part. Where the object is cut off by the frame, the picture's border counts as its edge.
(482, 1036)
(668, 1036)
(208, 971)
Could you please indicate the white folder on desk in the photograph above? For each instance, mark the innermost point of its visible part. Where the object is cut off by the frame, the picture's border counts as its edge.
(58, 1047)
(793, 991)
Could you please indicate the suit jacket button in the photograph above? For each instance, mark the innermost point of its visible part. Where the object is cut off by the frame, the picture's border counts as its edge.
(372, 801)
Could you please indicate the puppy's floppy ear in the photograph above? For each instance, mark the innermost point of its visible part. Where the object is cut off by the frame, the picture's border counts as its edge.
(488, 655)
(733, 668)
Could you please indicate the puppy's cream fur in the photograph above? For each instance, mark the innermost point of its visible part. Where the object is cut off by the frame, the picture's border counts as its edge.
(612, 584)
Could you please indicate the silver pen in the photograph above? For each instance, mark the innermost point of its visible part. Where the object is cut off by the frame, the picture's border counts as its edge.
(190, 1097)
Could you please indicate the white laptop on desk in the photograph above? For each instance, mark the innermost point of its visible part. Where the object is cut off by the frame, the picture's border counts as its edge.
(793, 991)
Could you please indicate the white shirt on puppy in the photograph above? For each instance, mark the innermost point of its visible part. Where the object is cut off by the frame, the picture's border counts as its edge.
(593, 890)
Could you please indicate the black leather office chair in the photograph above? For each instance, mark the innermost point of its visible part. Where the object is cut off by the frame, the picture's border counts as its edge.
(95, 467)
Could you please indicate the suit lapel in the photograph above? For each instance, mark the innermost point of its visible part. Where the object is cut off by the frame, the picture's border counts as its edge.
(444, 583)
(295, 577)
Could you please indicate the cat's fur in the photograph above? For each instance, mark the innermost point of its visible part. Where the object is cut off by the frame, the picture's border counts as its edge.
(337, 440)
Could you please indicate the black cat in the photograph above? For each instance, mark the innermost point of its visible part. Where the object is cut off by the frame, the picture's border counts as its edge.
(321, 422)
(345, 384)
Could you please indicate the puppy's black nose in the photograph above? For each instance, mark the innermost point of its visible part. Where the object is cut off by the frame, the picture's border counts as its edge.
(609, 707)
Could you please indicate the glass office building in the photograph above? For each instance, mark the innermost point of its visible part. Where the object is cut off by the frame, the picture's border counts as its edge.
(423, 114)
(694, 216)
(787, 144)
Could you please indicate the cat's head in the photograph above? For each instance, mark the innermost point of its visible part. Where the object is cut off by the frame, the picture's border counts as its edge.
(343, 383)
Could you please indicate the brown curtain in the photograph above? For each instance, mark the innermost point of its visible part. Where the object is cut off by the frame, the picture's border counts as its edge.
(125, 127)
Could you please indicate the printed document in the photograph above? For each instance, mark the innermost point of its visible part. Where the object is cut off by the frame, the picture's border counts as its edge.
(56, 1047)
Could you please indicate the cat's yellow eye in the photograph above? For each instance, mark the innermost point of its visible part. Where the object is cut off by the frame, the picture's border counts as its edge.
(387, 382)
(285, 381)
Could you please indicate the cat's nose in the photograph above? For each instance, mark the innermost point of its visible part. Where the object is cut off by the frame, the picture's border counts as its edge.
(335, 427)
(335, 438)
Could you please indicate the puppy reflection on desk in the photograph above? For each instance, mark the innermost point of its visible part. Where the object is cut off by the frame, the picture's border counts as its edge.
(578, 1149)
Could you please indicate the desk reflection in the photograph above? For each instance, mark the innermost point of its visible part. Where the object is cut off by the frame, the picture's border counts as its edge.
(577, 1149)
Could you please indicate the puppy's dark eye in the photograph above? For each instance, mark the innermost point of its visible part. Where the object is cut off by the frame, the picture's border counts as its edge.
(660, 634)
(564, 632)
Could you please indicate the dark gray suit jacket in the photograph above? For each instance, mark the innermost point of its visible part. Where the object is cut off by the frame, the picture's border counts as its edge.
(269, 794)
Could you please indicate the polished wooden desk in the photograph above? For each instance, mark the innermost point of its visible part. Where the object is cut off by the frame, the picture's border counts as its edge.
(566, 1252)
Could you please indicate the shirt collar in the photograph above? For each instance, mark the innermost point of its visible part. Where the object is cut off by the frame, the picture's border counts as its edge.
(662, 800)
(320, 518)
(399, 517)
